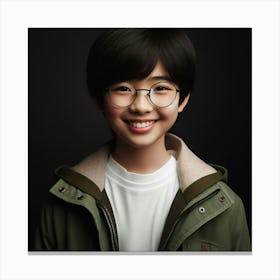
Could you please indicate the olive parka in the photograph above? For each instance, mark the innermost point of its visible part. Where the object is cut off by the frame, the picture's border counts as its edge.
(206, 215)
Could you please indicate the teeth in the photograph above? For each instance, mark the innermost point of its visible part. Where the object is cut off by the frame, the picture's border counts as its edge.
(141, 124)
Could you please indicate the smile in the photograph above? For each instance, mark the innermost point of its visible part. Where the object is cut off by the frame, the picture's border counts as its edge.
(141, 127)
(141, 124)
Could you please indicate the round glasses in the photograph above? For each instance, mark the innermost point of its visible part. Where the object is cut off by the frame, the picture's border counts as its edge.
(161, 94)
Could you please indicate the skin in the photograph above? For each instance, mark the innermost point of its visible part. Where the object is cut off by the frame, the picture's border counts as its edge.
(142, 150)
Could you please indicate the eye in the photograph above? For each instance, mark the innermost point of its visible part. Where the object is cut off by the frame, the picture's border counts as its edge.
(122, 88)
(160, 88)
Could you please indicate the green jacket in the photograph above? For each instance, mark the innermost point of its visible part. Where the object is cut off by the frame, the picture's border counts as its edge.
(206, 215)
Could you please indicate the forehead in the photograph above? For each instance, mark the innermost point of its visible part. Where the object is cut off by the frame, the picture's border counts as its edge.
(158, 73)
(159, 70)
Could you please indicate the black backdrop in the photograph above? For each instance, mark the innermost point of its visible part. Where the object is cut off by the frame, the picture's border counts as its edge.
(64, 125)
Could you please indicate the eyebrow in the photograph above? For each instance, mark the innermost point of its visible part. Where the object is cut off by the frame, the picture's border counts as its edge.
(155, 78)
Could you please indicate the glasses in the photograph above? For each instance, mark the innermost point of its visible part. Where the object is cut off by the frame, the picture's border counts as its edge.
(161, 94)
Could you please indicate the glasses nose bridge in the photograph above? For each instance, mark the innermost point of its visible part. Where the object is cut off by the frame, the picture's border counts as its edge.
(138, 103)
(148, 91)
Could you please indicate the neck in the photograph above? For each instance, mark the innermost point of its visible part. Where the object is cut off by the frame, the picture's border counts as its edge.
(146, 159)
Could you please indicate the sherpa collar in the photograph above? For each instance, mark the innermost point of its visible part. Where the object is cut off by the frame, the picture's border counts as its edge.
(190, 167)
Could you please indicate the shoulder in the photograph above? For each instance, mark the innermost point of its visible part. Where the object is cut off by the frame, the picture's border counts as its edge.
(230, 206)
(219, 198)
(230, 194)
(227, 196)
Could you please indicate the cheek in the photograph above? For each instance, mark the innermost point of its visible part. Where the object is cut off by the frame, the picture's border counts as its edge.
(109, 110)
(168, 118)
(170, 113)
(112, 114)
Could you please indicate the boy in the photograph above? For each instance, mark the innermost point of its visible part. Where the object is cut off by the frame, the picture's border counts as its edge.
(145, 190)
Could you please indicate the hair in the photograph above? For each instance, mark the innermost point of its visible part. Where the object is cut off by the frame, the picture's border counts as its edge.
(131, 53)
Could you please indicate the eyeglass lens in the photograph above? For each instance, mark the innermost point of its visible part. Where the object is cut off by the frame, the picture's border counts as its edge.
(160, 94)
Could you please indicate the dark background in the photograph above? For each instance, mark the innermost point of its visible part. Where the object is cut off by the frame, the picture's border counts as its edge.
(64, 125)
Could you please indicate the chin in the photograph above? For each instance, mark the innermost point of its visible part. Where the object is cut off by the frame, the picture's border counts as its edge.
(141, 141)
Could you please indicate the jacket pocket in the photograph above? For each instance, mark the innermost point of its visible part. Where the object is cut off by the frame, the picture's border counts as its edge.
(199, 245)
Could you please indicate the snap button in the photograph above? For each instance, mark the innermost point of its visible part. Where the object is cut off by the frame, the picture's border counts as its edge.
(61, 189)
(80, 197)
(221, 198)
(201, 210)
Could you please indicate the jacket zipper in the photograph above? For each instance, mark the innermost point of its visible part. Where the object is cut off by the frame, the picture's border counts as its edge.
(187, 210)
(113, 232)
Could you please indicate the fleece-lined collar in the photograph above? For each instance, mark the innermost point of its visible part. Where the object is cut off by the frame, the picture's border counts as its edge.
(190, 167)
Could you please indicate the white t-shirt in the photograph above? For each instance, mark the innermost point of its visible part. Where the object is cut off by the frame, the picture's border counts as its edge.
(141, 203)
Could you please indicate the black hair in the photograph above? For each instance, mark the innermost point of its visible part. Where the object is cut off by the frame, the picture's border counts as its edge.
(131, 53)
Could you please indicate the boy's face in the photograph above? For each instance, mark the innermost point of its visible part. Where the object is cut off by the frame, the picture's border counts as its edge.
(141, 124)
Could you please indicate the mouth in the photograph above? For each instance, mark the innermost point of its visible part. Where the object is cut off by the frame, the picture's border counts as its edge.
(139, 126)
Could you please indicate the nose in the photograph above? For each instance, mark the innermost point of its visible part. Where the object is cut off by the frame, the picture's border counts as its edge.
(141, 104)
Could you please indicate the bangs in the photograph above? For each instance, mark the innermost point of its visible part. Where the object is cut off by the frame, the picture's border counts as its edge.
(127, 53)
(120, 55)
(135, 60)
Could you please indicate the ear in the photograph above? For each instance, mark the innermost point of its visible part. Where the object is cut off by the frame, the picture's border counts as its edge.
(184, 103)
